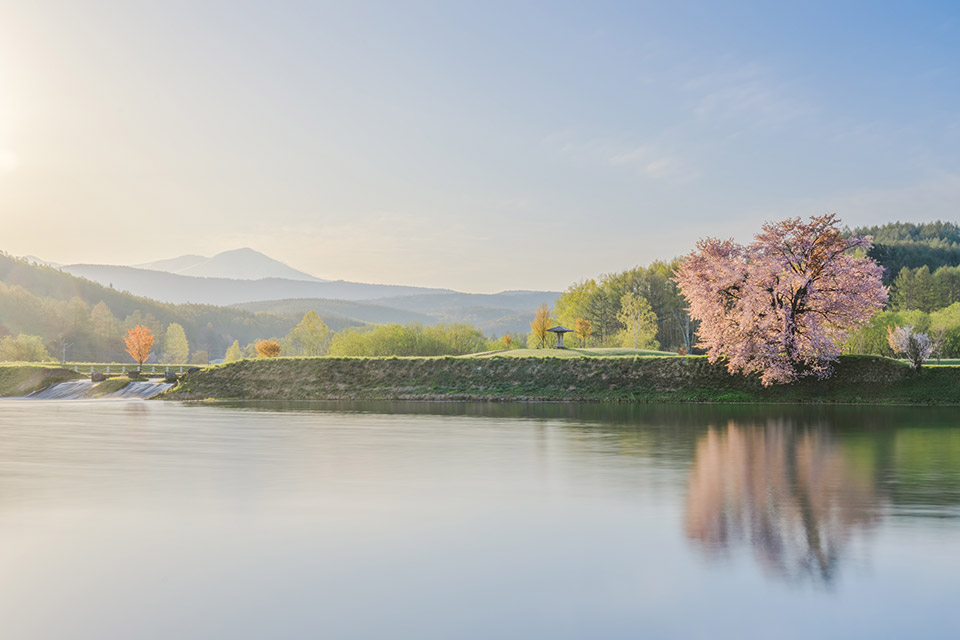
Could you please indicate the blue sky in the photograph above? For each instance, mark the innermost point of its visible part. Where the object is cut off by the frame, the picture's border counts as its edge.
(479, 146)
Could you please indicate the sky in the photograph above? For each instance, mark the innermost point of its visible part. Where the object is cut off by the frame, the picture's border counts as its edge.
(479, 146)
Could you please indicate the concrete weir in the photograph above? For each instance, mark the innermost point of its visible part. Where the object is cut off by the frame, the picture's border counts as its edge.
(85, 389)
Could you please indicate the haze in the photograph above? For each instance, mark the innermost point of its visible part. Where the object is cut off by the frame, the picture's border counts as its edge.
(485, 147)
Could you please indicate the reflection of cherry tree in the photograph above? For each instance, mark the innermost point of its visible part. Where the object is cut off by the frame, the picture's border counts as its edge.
(790, 494)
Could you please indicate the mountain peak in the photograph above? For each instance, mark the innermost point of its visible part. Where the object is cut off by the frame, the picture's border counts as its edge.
(239, 264)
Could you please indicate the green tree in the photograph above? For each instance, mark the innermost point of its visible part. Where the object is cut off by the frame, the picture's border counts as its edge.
(309, 338)
(408, 340)
(234, 352)
(23, 348)
(871, 338)
(107, 337)
(640, 322)
(176, 348)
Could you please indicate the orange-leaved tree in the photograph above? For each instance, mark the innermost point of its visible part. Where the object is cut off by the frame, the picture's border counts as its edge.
(540, 324)
(507, 339)
(583, 330)
(139, 343)
(268, 349)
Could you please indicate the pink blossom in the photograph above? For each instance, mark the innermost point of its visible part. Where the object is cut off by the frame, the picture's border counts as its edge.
(782, 306)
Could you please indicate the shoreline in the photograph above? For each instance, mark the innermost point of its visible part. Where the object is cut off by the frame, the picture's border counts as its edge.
(857, 380)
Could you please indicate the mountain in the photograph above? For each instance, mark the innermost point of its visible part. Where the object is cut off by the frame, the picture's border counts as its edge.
(42, 263)
(494, 314)
(237, 264)
(59, 307)
(173, 265)
(358, 311)
(176, 288)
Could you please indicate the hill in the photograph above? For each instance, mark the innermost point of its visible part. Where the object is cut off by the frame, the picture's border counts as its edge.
(366, 312)
(178, 289)
(913, 245)
(494, 314)
(90, 317)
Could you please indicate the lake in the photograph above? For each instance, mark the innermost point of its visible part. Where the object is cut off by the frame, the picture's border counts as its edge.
(134, 519)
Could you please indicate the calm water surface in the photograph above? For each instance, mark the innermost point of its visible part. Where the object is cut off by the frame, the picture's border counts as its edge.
(156, 520)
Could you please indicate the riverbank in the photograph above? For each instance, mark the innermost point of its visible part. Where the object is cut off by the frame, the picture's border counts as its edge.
(50, 382)
(21, 380)
(857, 380)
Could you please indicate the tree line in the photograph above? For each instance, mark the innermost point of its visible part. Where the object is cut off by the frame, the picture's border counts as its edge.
(640, 308)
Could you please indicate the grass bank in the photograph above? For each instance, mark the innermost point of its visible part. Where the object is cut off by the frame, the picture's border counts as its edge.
(600, 352)
(19, 380)
(867, 380)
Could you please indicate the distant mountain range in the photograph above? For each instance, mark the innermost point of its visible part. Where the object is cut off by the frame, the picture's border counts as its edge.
(237, 264)
(494, 314)
(176, 288)
(250, 280)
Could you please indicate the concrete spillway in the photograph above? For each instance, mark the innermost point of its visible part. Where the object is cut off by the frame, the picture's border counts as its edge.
(85, 389)
(142, 389)
(64, 391)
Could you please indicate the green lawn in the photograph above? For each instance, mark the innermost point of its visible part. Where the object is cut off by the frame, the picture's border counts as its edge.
(600, 352)
(944, 362)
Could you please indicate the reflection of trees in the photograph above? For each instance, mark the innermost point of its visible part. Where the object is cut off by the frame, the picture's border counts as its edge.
(790, 494)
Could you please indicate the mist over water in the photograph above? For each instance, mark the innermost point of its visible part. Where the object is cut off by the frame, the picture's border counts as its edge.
(158, 520)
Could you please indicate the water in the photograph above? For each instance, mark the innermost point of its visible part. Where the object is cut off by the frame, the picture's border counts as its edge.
(156, 520)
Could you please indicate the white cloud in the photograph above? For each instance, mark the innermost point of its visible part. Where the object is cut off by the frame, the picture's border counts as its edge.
(746, 92)
(656, 164)
(653, 161)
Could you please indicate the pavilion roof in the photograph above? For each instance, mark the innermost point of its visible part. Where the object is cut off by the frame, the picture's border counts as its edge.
(560, 329)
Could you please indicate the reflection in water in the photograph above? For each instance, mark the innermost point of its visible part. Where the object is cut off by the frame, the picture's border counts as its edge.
(156, 520)
(787, 492)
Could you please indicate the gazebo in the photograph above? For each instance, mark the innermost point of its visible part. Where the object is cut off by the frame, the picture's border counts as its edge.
(559, 330)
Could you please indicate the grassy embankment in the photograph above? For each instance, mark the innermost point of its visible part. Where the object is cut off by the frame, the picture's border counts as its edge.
(857, 379)
(19, 380)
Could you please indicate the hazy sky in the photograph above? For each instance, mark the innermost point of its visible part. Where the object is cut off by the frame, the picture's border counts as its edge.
(474, 145)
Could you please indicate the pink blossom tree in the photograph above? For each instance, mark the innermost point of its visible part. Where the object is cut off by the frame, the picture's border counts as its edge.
(782, 306)
(917, 347)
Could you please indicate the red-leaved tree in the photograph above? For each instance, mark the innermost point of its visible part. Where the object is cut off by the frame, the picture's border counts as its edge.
(782, 306)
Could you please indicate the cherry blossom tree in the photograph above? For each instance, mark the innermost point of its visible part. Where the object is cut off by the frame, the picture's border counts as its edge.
(916, 346)
(782, 306)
